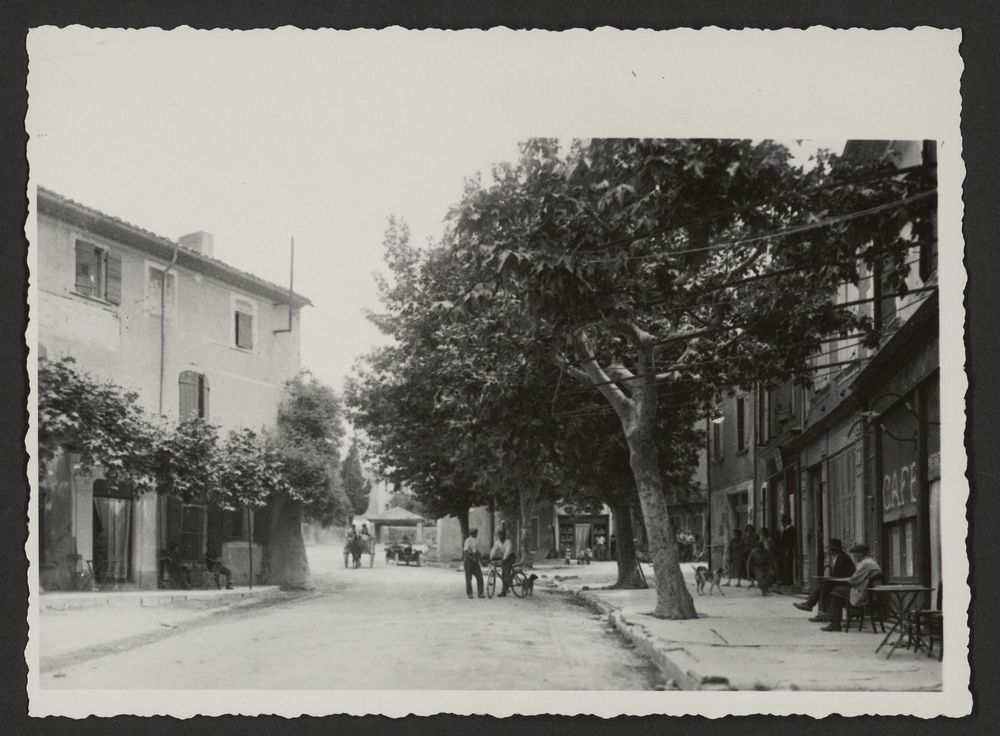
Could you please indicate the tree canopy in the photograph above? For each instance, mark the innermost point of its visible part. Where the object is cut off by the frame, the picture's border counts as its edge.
(620, 285)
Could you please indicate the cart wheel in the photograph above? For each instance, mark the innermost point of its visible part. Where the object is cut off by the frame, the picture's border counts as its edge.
(491, 584)
(517, 584)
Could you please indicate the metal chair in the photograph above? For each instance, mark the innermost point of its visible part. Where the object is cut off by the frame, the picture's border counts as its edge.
(874, 609)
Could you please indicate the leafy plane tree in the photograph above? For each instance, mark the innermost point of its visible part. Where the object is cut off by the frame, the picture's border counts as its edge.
(306, 443)
(670, 271)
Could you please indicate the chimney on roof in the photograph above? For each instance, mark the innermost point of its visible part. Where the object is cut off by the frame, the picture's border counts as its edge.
(199, 242)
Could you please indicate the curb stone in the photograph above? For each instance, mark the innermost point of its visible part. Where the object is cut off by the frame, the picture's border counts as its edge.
(678, 676)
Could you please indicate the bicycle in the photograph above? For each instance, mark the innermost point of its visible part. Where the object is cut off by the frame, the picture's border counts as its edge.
(518, 579)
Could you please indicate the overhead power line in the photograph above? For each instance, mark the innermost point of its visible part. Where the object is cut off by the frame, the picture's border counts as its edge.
(794, 230)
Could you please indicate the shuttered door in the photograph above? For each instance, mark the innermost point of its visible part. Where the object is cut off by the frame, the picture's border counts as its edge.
(189, 388)
(173, 521)
(114, 294)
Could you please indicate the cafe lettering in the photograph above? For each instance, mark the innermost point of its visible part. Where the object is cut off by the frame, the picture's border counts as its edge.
(901, 477)
(900, 488)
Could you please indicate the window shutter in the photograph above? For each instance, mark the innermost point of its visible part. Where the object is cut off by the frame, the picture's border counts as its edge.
(174, 520)
(188, 385)
(244, 330)
(114, 294)
(84, 267)
(203, 394)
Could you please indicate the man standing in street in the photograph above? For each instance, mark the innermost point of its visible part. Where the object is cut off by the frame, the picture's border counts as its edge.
(503, 550)
(841, 566)
(470, 558)
(789, 541)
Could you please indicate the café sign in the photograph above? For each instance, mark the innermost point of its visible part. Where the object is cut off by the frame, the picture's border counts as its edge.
(901, 482)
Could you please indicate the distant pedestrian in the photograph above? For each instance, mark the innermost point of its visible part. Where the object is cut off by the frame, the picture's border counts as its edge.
(734, 559)
(749, 545)
(470, 559)
(789, 542)
(760, 568)
(600, 549)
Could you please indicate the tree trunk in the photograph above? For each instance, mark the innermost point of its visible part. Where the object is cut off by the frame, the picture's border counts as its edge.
(628, 562)
(526, 501)
(673, 600)
(287, 564)
(463, 523)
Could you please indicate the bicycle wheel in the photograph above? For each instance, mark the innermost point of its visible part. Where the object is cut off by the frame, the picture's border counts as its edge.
(491, 583)
(517, 584)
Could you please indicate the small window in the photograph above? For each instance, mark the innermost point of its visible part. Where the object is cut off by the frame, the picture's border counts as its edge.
(717, 441)
(98, 273)
(741, 423)
(243, 324)
(193, 393)
(155, 297)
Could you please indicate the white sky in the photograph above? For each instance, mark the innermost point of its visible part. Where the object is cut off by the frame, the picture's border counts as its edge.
(256, 143)
(259, 136)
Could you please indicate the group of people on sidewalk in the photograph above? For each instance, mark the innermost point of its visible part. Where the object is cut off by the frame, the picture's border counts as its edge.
(760, 558)
(852, 577)
(180, 573)
(503, 551)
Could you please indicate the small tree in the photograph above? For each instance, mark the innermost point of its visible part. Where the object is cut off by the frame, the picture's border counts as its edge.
(307, 444)
(101, 422)
(189, 461)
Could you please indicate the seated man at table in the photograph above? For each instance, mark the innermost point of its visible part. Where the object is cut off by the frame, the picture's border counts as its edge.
(841, 566)
(213, 561)
(180, 574)
(856, 590)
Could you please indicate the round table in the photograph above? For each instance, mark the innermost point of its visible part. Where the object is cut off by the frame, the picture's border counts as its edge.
(902, 598)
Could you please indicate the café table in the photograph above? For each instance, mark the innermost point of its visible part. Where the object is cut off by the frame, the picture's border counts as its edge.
(902, 600)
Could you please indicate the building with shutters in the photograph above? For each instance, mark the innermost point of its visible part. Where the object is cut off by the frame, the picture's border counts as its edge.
(192, 336)
(856, 456)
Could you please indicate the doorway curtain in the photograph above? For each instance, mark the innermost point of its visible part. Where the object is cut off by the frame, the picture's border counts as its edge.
(115, 520)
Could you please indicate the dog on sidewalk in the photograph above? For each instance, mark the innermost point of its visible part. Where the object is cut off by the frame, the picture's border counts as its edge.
(704, 576)
(529, 585)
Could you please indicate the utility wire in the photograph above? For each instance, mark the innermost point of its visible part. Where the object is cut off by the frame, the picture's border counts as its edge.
(794, 230)
(762, 203)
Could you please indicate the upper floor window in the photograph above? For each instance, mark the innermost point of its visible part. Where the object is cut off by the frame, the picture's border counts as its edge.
(244, 312)
(717, 453)
(193, 392)
(741, 423)
(155, 296)
(98, 272)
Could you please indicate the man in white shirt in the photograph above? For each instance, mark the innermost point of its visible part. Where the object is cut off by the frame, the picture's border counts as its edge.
(503, 550)
(470, 559)
(857, 594)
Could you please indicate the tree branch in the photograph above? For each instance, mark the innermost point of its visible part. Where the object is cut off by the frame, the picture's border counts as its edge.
(621, 403)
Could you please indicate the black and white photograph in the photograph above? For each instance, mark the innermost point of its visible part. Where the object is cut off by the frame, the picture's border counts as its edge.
(506, 372)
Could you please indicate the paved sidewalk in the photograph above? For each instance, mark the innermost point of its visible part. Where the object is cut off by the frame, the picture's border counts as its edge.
(745, 641)
(73, 624)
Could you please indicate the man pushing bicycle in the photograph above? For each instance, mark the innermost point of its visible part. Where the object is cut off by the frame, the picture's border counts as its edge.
(503, 550)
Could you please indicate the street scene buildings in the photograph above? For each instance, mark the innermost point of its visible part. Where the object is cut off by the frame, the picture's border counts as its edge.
(330, 413)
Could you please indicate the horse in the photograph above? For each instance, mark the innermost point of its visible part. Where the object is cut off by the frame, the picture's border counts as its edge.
(356, 546)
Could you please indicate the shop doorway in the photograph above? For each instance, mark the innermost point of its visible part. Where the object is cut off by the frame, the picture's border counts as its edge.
(112, 534)
(581, 538)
